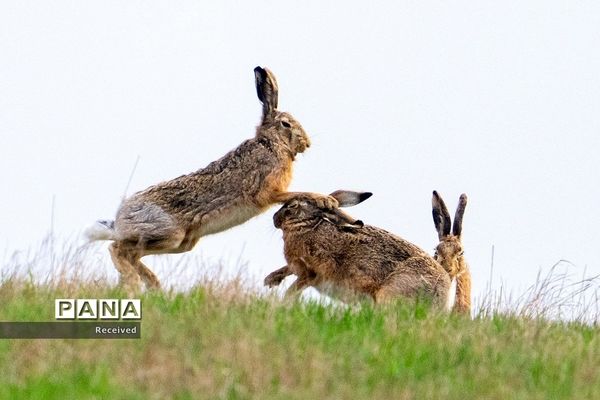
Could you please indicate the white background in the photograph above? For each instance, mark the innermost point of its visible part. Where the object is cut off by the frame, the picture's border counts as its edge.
(500, 100)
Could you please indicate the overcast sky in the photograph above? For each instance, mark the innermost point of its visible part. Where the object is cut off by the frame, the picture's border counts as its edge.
(497, 99)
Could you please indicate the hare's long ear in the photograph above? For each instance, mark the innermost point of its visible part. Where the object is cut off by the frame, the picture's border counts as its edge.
(266, 89)
(441, 217)
(348, 198)
(341, 219)
(458, 217)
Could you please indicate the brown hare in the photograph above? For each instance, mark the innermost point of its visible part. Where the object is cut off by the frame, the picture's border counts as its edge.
(449, 252)
(340, 256)
(172, 216)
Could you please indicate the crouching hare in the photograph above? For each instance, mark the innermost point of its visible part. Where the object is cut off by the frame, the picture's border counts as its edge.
(172, 216)
(340, 256)
(449, 252)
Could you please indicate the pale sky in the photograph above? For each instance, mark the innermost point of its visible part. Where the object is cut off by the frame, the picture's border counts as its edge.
(500, 100)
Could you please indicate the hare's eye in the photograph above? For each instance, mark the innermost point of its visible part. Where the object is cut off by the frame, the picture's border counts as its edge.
(286, 124)
(462, 253)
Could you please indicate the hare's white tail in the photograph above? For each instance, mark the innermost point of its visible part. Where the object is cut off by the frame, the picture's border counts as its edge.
(101, 230)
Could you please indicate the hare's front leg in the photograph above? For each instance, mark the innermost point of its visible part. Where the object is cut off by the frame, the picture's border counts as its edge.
(277, 276)
(298, 286)
(462, 302)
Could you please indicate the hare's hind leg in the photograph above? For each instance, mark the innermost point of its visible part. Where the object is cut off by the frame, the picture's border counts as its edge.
(133, 253)
(415, 286)
(399, 286)
(127, 261)
(150, 279)
(176, 242)
(129, 278)
(145, 229)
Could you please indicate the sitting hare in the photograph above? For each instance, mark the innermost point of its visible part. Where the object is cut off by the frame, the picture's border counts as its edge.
(172, 216)
(342, 257)
(449, 252)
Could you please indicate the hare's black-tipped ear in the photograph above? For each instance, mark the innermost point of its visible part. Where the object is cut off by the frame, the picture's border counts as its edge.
(266, 89)
(458, 217)
(348, 198)
(441, 217)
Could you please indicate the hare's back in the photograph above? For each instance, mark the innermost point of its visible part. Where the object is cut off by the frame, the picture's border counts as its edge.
(373, 254)
(375, 240)
(230, 181)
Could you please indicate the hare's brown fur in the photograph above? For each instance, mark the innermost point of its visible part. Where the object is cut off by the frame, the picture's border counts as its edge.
(172, 216)
(449, 251)
(332, 252)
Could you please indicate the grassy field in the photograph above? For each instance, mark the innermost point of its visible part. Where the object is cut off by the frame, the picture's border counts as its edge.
(221, 341)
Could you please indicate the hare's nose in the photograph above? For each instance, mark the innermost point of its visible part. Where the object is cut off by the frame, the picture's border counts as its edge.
(306, 140)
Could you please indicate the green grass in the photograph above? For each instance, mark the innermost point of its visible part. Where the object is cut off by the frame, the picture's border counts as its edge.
(224, 342)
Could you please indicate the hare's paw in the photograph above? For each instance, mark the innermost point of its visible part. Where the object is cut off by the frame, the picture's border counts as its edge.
(276, 277)
(328, 202)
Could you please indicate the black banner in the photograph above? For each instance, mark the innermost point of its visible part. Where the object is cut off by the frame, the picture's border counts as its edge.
(70, 330)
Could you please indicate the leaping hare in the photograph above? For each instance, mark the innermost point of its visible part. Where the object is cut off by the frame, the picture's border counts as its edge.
(172, 216)
(340, 256)
(449, 252)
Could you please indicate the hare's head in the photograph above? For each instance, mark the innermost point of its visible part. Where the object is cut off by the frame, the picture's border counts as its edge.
(277, 126)
(449, 252)
(305, 212)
